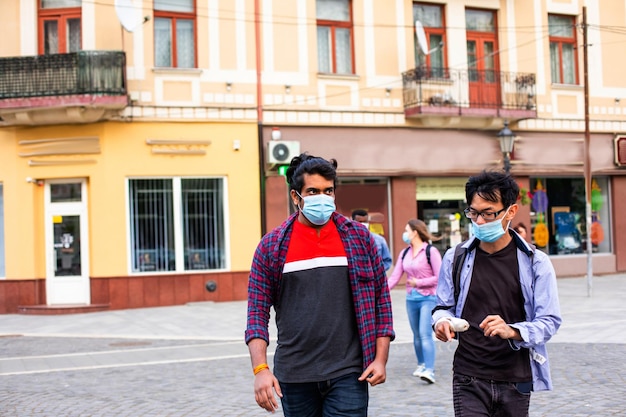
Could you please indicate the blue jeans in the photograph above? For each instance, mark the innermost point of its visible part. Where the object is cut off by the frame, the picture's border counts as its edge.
(345, 396)
(480, 397)
(419, 308)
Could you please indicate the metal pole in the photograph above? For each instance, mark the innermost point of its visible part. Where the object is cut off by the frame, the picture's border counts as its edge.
(587, 159)
(507, 163)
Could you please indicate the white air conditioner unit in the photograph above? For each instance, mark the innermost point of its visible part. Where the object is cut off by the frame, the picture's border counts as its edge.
(281, 151)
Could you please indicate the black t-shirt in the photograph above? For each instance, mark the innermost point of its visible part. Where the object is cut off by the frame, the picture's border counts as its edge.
(494, 289)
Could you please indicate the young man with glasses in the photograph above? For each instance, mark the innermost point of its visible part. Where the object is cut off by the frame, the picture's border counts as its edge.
(506, 290)
(325, 279)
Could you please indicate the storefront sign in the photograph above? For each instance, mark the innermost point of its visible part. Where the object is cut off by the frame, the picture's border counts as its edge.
(441, 189)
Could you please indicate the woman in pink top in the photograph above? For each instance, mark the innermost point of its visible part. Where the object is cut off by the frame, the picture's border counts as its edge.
(421, 286)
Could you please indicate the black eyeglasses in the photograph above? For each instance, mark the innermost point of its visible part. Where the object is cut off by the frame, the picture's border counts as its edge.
(489, 216)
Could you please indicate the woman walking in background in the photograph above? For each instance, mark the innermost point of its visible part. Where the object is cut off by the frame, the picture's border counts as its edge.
(421, 285)
(521, 230)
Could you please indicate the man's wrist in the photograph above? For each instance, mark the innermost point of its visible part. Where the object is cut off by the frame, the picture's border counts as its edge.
(260, 368)
(516, 333)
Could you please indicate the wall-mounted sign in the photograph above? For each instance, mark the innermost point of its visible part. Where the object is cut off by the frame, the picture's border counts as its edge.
(440, 189)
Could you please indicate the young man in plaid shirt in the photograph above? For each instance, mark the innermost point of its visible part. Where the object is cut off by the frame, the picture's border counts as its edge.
(326, 281)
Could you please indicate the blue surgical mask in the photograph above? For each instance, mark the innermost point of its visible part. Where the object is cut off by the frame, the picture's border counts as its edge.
(405, 238)
(318, 208)
(489, 232)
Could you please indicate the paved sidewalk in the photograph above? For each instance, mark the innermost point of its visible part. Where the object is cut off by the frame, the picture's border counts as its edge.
(595, 319)
(191, 361)
(207, 331)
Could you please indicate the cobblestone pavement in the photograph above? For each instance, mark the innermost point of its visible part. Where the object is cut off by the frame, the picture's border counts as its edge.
(589, 380)
(191, 361)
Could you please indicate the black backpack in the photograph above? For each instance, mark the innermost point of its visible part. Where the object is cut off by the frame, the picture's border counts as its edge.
(427, 253)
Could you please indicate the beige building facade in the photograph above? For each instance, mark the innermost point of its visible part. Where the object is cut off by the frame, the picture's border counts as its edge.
(141, 141)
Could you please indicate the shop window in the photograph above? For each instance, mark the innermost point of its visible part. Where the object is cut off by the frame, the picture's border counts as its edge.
(174, 34)
(432, 19)
(59, 26)
(563, 57)
(334, 36)
(66, 192)
(2, 266)
(156, 205)
(445, 219)
(558, 211)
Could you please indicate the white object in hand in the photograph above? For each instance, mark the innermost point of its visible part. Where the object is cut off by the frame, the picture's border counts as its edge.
(458, 325)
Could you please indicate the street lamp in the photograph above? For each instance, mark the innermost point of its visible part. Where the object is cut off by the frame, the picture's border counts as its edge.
(507, 140)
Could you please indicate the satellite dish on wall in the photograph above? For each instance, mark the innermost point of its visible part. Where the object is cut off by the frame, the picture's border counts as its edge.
(128, 14)
(421, 37)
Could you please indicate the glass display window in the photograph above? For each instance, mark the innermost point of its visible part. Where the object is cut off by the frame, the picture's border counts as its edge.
(445, 219)
(558, 215)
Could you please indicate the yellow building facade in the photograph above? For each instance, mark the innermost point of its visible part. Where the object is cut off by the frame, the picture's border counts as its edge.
(121, 187)
(157, 128)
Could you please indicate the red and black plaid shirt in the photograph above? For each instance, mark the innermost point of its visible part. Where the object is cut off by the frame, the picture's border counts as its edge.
(368, 282)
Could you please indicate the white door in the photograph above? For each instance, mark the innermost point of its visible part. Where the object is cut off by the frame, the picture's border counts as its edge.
(67, 260)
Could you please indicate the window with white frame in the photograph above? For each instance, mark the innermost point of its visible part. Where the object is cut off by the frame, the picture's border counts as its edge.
(563, 55)
(177, 224)
(59, 26)
(2, 266)
(334, 36)
(431, 17)
(174, 33)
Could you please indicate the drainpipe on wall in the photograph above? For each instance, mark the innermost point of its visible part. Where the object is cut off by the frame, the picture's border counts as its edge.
(259, 90)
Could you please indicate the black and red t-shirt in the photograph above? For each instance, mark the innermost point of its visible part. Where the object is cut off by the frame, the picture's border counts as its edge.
(317, 331)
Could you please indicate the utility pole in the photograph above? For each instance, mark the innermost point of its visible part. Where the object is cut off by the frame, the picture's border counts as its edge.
(587, 158)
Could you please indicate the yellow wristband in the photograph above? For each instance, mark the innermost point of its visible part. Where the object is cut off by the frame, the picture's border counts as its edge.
(260, 367)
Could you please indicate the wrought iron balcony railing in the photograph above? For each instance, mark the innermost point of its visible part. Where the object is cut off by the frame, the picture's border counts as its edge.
(468, 92)
(79, 73)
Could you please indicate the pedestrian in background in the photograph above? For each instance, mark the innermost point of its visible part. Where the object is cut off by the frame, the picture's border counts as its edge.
(422, 272)
(325, 279)
(506, 290)
(521, 230)
(362, 216)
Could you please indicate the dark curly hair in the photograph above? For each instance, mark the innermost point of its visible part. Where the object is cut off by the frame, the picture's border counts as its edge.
(308, 164)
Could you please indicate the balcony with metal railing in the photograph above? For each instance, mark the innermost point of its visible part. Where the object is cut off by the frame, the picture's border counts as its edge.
(431, 93)
(80, 87)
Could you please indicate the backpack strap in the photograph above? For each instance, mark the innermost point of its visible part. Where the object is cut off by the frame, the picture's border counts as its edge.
(404, 252)
(428, 247)
(459, 257)
(460, 252)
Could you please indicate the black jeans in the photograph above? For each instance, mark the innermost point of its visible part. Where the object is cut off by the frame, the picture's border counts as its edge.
(481, 397)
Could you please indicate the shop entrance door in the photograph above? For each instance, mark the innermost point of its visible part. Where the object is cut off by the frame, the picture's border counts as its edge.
(67, 275)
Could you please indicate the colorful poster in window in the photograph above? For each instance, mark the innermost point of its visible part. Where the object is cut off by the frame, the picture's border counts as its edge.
(539, 203)
(597, 200)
